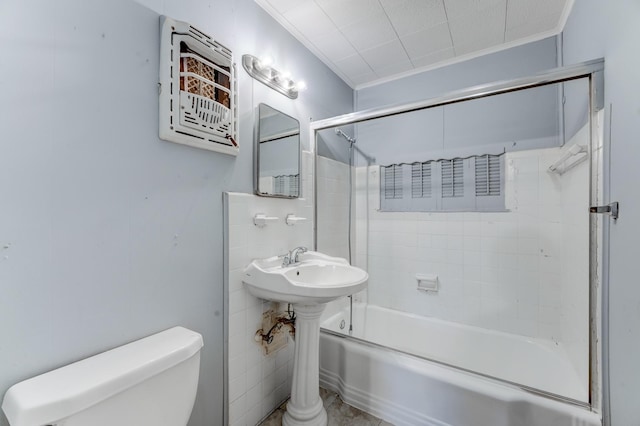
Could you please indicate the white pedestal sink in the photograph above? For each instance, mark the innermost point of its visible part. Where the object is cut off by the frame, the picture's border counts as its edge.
(309, 285)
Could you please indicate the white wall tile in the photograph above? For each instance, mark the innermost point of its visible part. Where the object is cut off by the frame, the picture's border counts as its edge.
(238, 258)
(238, 236)
(489, 229)
(254, 415)
(236, 345)
(254, 396)
(455, 227)
(237, 302)
(508, 245)
(235, 280)
(242, 421)
(528, 246)
(517, 271)
(237, 323)
(458, 257)
(528, 263)
(455, 242)
(252, 375)
(237, 410)
(471, 272)
(237, 387)
(471, 258)
(472, 243)
(496, 270)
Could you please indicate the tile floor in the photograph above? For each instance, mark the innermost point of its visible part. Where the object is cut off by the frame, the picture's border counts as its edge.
(339, 413)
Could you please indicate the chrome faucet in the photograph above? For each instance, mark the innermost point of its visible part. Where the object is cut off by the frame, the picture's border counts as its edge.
(292, 257)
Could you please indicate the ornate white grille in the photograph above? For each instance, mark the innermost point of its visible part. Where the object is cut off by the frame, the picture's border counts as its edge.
(197, 89)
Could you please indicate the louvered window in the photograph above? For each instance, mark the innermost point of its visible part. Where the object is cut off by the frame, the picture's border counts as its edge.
(287, 185)
(278, 185)
(488, 180)
(393, 182)
(452, 178)
(294, 185)
(474, 183)
(421, 180)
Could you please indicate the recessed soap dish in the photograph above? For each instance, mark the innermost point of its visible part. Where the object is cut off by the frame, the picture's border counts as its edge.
(427, 282)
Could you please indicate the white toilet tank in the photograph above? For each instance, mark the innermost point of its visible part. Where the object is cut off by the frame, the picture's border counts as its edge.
(149, 382)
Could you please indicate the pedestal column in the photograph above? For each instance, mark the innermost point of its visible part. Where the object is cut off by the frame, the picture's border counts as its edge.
(305, 407)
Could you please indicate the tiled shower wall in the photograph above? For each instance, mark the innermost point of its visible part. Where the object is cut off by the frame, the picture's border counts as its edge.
(257, 384)
(333, 215)
(333, 207)
(499, 270)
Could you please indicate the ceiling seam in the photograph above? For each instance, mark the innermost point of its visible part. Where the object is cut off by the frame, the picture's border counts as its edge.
(397, 35)
(346, 38)
(506, 13)
(446, 15)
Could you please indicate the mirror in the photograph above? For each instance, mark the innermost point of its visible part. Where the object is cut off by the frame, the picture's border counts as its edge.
(277, 155)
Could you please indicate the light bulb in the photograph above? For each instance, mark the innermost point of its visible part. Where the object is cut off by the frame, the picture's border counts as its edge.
(264, 62)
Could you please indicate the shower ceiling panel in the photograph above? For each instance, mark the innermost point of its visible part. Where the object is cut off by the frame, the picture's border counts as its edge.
(370, 41)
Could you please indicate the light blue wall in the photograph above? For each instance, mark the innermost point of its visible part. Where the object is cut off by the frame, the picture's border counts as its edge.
(108, 234)
(511, 122)
(521, 120)
(519, 61)
(610, 29)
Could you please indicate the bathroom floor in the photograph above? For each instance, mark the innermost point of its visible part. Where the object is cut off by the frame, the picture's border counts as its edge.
(339, 413)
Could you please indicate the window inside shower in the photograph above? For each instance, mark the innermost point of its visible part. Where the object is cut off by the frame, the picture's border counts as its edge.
(509, 245)
(473, 183)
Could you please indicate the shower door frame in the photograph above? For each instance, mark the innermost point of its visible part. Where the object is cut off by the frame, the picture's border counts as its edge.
(598, 194)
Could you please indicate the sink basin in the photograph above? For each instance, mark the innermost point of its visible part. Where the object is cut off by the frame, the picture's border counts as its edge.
(316, 279)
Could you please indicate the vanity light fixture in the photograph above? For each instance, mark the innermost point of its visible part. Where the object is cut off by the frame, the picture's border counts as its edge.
(279, 81)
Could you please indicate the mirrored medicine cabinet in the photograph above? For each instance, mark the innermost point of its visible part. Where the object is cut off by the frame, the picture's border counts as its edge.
(277, 154)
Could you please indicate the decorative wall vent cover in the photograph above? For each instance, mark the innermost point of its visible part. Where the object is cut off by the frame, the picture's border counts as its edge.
(198, 89)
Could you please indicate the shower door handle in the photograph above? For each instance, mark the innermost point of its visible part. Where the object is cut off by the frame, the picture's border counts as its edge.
(612, 209)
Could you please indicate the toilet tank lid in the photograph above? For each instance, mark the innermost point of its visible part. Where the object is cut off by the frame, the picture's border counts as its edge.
(75, 387)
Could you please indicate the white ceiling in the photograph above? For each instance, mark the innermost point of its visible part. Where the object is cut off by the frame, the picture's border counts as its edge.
(367, 42)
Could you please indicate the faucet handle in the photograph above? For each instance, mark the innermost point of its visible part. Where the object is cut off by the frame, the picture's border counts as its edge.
(286, 259)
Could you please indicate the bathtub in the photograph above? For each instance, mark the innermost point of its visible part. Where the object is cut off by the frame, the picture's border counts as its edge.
(409, 390)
